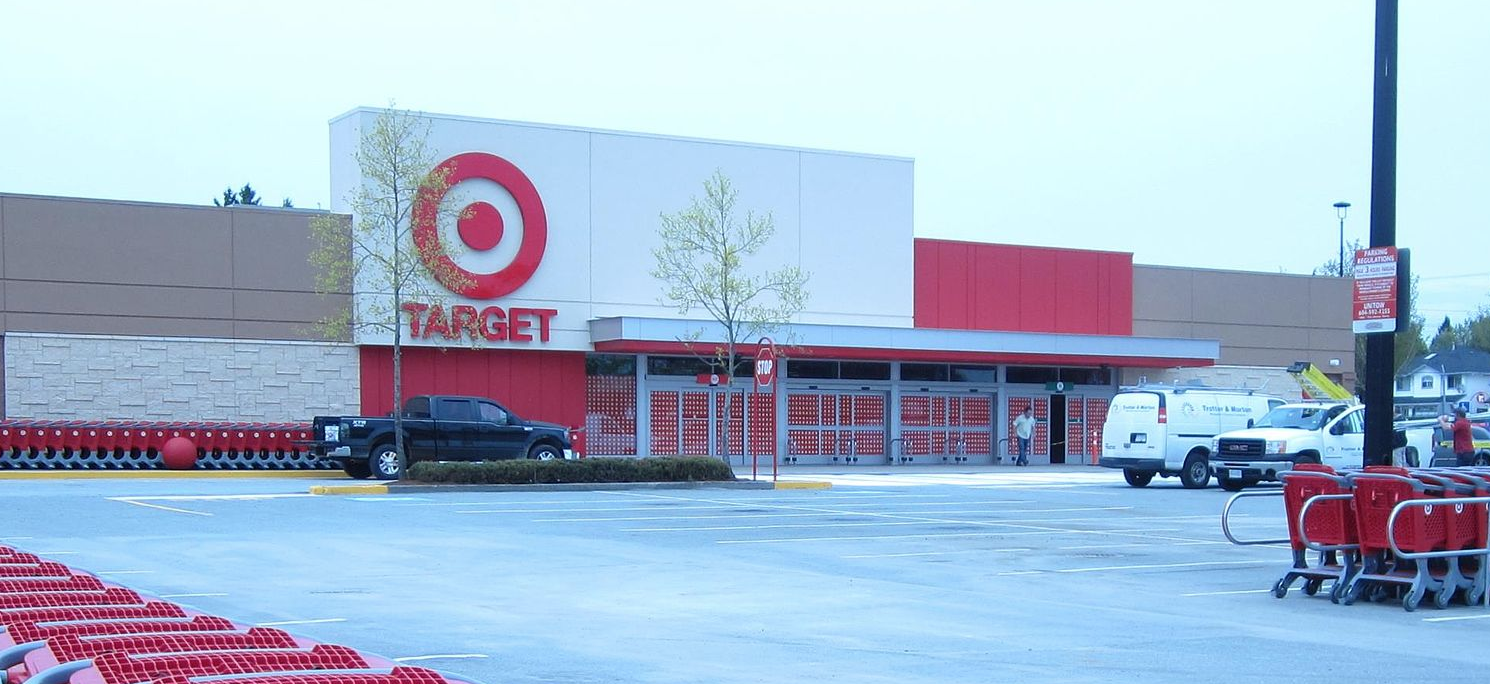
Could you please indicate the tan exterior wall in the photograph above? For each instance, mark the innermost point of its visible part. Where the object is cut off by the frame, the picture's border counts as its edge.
(127, 268)
(1261, 319)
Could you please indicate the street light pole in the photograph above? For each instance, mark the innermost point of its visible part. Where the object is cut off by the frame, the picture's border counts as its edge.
(1340, 209)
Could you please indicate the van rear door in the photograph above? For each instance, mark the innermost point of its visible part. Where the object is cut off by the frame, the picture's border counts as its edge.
(1136, 424)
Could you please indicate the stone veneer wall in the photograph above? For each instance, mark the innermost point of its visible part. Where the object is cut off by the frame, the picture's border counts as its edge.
(99, 377)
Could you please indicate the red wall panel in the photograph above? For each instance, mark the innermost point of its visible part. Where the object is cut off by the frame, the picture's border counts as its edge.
(979, 286)
(542, 385)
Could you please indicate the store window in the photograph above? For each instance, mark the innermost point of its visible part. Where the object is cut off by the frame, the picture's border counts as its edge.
(1033, 375)
(812, 370)
(610, 364)
(678, 365)
(863, 370)
(924, 372)
(983, 374)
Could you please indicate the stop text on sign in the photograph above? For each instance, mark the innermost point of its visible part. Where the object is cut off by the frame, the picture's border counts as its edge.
(492, 323)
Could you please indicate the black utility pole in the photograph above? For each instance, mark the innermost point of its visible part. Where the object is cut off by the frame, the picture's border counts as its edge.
(1379, 346)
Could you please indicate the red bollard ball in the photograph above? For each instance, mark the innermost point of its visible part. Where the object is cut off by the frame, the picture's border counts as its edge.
(179, 453)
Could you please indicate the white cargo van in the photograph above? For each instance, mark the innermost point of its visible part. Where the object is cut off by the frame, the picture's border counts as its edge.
(1167, 430)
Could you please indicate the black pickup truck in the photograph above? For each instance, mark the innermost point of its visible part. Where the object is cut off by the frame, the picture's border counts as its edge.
(436, 428)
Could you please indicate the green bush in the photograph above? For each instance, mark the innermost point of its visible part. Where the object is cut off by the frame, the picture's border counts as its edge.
(588, 470)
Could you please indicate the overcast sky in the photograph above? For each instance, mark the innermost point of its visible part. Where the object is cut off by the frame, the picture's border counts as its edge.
(1205, 133)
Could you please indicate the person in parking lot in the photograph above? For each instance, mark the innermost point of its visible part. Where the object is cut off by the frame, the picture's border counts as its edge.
(1463, 442)
(1024, 430)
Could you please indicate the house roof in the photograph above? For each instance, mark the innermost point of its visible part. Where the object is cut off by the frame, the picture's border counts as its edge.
(1456, 360)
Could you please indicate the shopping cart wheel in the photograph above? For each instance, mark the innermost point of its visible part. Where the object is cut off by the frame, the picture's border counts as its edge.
(1337, 592)
(1473, 596)
(1411, 599)
(1442, 598)
(1280, 588)
(1351, 592)
(1311, 586)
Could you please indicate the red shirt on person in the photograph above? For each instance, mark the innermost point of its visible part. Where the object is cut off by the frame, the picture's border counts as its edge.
(1463, 442)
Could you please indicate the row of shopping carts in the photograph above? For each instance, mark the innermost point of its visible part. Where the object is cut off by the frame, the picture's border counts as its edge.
(1383, 533)
(60, 626)
(128, 444)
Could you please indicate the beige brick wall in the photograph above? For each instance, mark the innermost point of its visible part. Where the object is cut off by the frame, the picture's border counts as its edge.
(93, 377)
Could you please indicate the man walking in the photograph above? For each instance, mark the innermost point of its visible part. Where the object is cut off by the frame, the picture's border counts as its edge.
(1024, 430)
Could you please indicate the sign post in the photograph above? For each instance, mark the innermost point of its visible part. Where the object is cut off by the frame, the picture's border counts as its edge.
(1375, 305)
(765, 376)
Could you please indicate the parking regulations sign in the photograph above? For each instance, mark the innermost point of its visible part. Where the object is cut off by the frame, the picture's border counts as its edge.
(1375, 306)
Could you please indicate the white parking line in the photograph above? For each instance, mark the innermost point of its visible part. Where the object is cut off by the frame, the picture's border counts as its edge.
(1228, 593)
(214, 497)
(1155, 566)
(160, 507)
(446, 656)
(316, 621)
(948, 535)
(1482, 616)
(935, 553)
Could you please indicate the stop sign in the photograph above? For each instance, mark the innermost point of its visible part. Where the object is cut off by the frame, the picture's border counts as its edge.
(765, 366)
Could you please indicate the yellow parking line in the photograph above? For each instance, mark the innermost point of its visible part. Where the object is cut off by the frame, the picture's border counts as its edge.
(804, 485)
(349, 489)
(117, 474)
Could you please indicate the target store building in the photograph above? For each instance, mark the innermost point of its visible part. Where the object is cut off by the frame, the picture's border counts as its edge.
(909, 349)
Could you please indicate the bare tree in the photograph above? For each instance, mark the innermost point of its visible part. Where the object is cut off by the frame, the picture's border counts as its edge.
(702, 259)
(375, 249)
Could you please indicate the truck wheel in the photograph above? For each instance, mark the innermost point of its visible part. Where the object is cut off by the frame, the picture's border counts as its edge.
(1197, 472)
(1482, 458)
(1138, 478)
(1231, 485)
(386, 462)
(357, 469)
(544, 452)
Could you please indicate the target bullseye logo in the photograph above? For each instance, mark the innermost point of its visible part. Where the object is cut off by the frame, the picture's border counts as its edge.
(481, 227)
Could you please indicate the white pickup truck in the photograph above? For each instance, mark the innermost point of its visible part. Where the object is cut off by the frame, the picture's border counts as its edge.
(1332, 433)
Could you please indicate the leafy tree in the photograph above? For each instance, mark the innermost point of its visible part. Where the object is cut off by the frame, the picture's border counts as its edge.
(287, 204)
(375, 248)
(703, 258)
(1332, 267)
(245, 196)
(1446, 338)
(1475, 330)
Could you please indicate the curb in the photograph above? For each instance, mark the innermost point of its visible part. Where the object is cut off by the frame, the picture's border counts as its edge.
(572, 487)
(157, 474)
(804, 485)
(349, 489)
(561, 487)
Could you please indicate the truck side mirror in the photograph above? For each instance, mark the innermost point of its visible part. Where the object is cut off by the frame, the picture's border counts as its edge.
(1249, 423)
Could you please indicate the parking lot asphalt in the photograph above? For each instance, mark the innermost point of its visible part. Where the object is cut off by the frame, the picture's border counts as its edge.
(894, 574)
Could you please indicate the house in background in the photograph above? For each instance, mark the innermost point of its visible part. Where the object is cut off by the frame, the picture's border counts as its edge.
(1436, 383)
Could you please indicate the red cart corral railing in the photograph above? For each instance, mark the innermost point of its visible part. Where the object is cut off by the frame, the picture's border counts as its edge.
(116, 444)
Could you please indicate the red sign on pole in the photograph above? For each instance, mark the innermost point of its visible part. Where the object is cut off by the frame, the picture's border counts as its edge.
(765, 366)
(1375, 306)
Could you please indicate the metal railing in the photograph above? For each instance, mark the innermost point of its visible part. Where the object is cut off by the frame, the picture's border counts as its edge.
(1226, 519)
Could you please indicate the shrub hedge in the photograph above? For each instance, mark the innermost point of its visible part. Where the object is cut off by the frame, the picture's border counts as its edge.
(591, 470)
